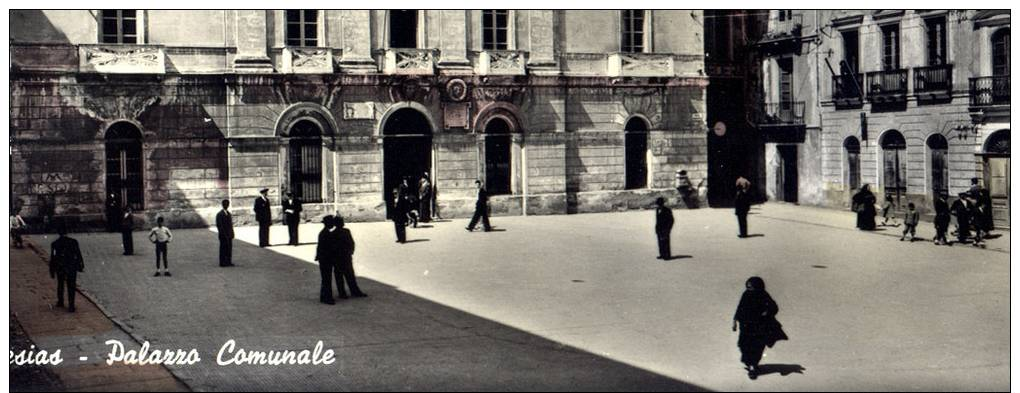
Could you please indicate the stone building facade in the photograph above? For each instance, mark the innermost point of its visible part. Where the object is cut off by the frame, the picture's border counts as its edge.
(172, 111)
(913, 103)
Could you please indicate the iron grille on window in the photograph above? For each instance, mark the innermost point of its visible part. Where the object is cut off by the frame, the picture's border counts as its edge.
(119, 26)
(633, 31)
(302, 28)
(495, 29)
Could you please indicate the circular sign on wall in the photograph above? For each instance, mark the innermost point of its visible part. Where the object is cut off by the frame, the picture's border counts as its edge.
(719, 129)
(456, 89)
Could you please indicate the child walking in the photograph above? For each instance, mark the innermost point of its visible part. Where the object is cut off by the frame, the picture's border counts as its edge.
(910, 222)
(161, 236)
(888, 208)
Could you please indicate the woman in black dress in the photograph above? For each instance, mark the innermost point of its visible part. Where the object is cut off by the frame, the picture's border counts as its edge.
(756, 318)
(864, 205)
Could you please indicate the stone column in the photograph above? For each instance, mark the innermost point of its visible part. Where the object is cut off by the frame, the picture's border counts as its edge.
(252, 42)
(355, 41)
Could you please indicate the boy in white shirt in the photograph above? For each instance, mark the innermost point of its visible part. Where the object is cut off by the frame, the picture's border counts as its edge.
(161, 236)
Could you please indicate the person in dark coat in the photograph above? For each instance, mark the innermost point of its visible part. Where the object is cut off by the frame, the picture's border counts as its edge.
(756, 319)
(961, 210)
(663, 228)
(113, 213)
(264, 216)
(942, 218)
(864, 204)
(225, 229)
(345, 260)
(425, 198)
(977, 219)
(127, 224)
(65, 264)
(292, 217)
(742, 206)
(481, 209)
(399, 215)
(327, 252)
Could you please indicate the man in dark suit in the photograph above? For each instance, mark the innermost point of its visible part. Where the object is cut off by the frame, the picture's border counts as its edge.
(481, 209)
(292, 217)
(65, 264)
(398, 214)
(345, 260)
(327, 252)
(225, 227)
(264, 216)
(663, 227)
(742, 206)
(113, 213)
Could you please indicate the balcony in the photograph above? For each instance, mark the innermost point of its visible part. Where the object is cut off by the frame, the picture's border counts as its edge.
(122, 59)
(782, 114)
(848, 90)
(989, 91)
(640, 65)
(500, 62)
(409, 61)
(785, 29)
(887, 86)
(933, 82)
(307, 60)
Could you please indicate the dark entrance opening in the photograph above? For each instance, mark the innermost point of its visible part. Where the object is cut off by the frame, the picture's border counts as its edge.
(787, 175)
(636, 154)
(403, 28)
(894, 165)
(938, 146)
(497, 157)
(305, 161)
(124, 165)
(407, 150)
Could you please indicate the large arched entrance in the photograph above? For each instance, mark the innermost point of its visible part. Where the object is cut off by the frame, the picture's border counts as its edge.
(407, 150)
(498, 157)
(124, 165)
(938, 159)
(996, 171)
(894, 164)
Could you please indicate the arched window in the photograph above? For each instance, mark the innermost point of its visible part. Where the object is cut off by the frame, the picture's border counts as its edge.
(124, 165)
(636, 153)
(852, 172)
(497, 157)
(1000, 53)
(938, 150)
(894, 159)
(305, 164)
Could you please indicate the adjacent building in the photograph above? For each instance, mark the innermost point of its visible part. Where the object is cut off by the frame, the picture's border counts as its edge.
(171, 112)
(914, 103)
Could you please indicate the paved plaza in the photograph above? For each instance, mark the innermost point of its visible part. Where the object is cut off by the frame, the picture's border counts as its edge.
(577, 302)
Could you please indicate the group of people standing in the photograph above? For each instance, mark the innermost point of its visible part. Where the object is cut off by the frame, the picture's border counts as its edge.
(972, 209)
(408, 206)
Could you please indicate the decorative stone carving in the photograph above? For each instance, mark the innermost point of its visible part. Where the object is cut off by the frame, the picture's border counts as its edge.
(457, 115)
(501, 63)
(306, 60)
(496, 93)
(456, 90)
(410, 62)
(129, 59)
(641, 65)
(359, 111)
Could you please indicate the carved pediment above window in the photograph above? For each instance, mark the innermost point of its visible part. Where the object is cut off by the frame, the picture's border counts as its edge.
(302, 60)
(128, 59)
(410, 61)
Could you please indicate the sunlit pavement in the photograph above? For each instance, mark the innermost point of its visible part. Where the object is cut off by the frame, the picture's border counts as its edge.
(580, 302)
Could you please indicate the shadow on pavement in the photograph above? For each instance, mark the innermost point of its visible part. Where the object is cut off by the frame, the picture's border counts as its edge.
(781, 369)
(392, 340)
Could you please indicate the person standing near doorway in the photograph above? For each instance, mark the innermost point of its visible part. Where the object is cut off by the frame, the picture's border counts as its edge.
(264, 216)
(161, 237)
(292, 217)
(65, 264)
(127, 225)
(425, 198)
(663, 228)
(398, 214)
(113, 213)
(225, 233)
(481, 209)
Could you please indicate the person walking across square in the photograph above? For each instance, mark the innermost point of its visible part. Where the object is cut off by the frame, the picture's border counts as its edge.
(742, 206)
(65, 264)
(481, 209)
(161, 237)
(910, 220)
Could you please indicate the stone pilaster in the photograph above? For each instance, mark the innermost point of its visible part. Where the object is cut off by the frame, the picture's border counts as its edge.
(355, 39)
(251, 42)
(453, 42)
(542, 42)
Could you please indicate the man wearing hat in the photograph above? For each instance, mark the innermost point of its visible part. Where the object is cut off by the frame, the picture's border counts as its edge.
(225, 228)
(264, 216)
(292, 217)
(327, 252)
(65, 264)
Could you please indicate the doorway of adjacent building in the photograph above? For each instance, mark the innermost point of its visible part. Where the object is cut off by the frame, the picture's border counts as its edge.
(497, 157)
(938, 151)
(996, 171)
(636, 154)
(403, 28)
(407, 150)
(894, 165)
(124, 165)
(786, 178)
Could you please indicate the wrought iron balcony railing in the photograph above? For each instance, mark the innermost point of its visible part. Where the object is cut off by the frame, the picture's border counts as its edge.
(933, 80)
(989, 91)
(782, 114)
(884, 86)
(848, 89)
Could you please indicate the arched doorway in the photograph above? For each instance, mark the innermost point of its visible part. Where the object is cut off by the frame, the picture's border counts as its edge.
(124, 167)
(497, 157)
(305, 161)
(894, 164)
(938, 157)
(407, 149)
(852, 171)
(636, 153)
(996, 171)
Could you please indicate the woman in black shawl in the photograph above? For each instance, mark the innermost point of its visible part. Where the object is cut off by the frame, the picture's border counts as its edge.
(942, 219)
(756, 318)
(864, 205)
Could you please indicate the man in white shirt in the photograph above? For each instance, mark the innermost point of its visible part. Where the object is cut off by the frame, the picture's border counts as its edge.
(161, 236)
